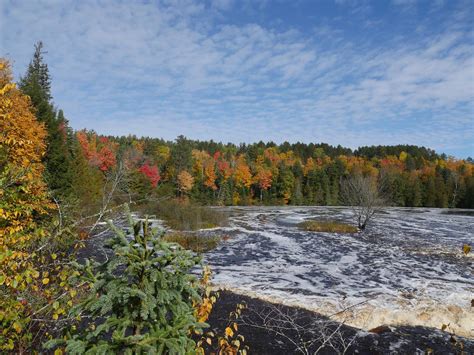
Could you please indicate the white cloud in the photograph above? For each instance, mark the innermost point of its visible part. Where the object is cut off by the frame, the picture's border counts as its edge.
(171, 69)
(222, 4)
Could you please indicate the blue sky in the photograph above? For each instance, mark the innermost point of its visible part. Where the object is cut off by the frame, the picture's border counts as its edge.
(343, 72)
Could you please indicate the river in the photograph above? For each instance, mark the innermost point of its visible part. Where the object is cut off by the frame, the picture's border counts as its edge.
(406, 268)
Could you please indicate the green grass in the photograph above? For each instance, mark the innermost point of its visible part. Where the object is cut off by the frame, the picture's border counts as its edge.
(198, 244)
(328, 226)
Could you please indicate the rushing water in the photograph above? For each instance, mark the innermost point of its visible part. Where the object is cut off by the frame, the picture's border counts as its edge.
(407, 268)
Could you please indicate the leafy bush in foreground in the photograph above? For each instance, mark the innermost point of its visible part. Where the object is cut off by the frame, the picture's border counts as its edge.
(142, 300)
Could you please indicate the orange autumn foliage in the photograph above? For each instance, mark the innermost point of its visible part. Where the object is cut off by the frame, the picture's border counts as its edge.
(185, 181)
(210, 175)
(242, 174)
(23, 198)
(264, 178)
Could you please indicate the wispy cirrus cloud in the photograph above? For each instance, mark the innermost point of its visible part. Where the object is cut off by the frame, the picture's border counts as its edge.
(203, 70)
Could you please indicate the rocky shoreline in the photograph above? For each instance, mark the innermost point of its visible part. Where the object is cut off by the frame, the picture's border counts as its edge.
(262, 339)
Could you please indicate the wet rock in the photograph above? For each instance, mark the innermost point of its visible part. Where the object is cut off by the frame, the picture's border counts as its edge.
(380, 329)
(385, 339)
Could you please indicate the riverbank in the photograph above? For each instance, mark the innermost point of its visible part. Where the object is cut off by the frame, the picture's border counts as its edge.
(275, 329)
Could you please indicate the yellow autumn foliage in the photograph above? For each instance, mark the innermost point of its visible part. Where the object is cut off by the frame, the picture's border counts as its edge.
(23, 200)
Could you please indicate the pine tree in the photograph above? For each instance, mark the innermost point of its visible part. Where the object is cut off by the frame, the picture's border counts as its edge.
(417, 196)
(141, 301)
(297, 196)
(429, 192)
(37, 85)
(326, 189)
(441, 198)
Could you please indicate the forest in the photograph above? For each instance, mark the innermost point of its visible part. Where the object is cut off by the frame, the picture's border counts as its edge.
(80, 163)
(53, 178)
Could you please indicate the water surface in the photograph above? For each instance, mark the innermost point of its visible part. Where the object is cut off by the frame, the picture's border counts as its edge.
(407, 268)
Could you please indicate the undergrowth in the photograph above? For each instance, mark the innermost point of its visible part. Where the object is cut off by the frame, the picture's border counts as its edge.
(196, 243)
(180, 215)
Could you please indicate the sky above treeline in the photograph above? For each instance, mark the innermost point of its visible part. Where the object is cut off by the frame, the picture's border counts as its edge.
(342, 72)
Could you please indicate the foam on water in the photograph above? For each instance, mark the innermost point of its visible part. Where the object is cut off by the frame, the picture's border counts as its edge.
(406, 269)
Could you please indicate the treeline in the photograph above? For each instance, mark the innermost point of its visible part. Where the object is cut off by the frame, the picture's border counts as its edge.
(295, 174)
(84, 166)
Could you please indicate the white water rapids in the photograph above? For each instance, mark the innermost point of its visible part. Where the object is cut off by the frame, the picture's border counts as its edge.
(407, 268)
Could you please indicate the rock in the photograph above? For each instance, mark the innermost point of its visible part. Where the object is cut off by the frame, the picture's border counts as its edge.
(380, 329)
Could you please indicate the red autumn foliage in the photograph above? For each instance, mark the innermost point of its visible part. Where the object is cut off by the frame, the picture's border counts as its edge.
(102, 155)
(106, 158)
(152, 173)
(217, 155)
(224, 169)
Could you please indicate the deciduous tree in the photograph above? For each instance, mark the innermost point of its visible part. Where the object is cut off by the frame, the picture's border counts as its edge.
(364, 195)
(23, 200)
(185, 182)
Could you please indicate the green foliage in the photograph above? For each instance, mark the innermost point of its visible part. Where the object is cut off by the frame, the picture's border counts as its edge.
(140, 300)
(327, 226)
(37, 85)
(413, 151)
(87, 182)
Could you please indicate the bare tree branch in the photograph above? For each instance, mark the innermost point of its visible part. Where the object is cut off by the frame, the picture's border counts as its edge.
(364, 195)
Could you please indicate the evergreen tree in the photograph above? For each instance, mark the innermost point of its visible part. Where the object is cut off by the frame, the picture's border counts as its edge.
(416, 200)
(430, 193)
(141, 300)
(297, 198)
(181, 154)
(326, 189)
(467, 199)
(441, 197)
(37, 85)
(410, 163)
(335, 192)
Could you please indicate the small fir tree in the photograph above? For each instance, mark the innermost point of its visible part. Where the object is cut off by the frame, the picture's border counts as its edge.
(140, 300)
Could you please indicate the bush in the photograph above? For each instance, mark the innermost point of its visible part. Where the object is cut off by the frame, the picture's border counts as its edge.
(184, 216)
(196, 243)
(141, 300)
(328, 226)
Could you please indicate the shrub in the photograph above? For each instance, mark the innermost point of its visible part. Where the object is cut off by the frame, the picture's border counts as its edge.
(184, 216)
(141, 300)
(328, 226)
(196, 243)
(466, 248)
